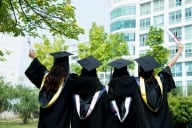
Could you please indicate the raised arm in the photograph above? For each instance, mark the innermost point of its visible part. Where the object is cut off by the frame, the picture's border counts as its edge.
(174, 59)
(32, 54)
(36, 71)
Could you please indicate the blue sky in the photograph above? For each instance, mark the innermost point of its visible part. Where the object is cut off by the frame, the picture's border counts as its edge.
(88, 11)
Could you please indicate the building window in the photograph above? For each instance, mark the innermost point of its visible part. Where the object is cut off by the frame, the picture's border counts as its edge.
(145, 9)
(158, 21)
(143, 39)
(122, 11)
(175, 3)
(178, 83)
(189, 87)
(158, 5)
(188, 1)
(145, 24)
(173, 51)
(129, 36)
(177, 70)
(188, 13)
(122, 24)
(175, 17)
(177, 32)
(188, 32)
(189, 68)
(188, 50)
(142, 52)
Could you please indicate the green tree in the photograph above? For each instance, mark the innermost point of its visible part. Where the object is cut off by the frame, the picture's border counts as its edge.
(27, 16)
(155, 41)
(3, 53)
(27, 105)
(5, 96)
(181, 109)
(103, 46)
(43, 49)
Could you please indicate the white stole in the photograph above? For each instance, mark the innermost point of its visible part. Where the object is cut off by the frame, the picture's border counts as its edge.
(127, 108)
(91, 107)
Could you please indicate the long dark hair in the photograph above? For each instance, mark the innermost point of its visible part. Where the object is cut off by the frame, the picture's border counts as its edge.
(57, 74)
(120, 72)
(92, 73)
(148, 76)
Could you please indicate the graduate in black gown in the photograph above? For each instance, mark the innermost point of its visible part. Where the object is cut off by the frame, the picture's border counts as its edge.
(152, 103)
(121, 91)
(89, 97)
(54, 96)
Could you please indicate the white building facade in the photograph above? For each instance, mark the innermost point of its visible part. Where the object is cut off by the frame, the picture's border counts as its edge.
(16, 62)
(134, 18)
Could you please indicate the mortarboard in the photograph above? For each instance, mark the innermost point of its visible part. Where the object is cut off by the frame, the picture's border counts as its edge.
(89, 63)
(119, 63)
(147, 63)
(60, 54)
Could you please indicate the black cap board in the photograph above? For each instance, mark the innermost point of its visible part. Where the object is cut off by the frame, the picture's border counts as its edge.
(60, 54)
(119, 63)
(147, 63)
(89, 63)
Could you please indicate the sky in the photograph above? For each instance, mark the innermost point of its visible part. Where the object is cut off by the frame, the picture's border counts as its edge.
(88, 11)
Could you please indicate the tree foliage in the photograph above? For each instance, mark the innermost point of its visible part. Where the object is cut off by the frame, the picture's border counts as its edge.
(23, 17)
(46, 47)
(5, 94)
(27, 105)
(181, 109)
(155, 41)
(20, 99)
(102, 46)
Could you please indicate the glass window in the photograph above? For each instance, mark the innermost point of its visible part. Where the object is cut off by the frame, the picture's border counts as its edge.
(122, 11)
(177, 32)
(175, 17)
(145, 23)
(177, 70)
(188, 32)
(158, 21)
(142, 52)
(188, 13)
(143, 39)
(145, 9)
(129, 36)
(178, 83)
(189, 87)
(189, 68)
(173, 50)
(188, 1)
(175, 3)
(158, 5)
(188, 50)
(122, 24)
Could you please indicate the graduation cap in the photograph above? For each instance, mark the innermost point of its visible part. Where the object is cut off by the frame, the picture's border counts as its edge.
(119, 63)
(89, 63)
(147, 63)
(61, 56)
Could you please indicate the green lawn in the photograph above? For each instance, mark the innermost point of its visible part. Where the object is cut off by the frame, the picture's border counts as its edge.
(17, 123)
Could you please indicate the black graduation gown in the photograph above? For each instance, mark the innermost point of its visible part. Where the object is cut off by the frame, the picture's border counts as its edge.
(162, 118)
(122, 88)
(86, 88)
(58, 114)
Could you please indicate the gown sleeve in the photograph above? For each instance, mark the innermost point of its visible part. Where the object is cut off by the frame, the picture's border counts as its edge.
(35, 72)
(167, 78)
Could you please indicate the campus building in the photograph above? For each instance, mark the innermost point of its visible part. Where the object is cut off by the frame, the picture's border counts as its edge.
(16, 61)
(134, 18)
